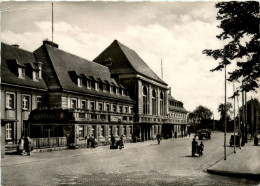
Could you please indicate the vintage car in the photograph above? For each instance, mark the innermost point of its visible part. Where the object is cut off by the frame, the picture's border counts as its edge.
(203, 133)
(232, 138)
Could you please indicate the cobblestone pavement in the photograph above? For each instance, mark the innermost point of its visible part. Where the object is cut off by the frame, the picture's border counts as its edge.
(145, 163)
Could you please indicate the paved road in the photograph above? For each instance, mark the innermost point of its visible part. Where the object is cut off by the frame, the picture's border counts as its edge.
(169, 163)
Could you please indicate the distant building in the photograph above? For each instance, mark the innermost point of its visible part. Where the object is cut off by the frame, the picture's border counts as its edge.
(177, 125)
(147, 90)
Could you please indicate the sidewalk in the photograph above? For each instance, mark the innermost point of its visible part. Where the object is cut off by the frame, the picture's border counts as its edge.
(244, 163)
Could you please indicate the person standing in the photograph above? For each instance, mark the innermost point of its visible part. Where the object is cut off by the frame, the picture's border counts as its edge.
(27, 145)
(113, 140)
(194, 145)
(158, 138)
(21, 146)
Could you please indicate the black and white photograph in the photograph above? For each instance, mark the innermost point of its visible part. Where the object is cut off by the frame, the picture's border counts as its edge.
(138, 93)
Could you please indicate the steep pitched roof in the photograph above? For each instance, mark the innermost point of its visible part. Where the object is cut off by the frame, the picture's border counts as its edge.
(11, 58)
(120, 54)
(64, 63)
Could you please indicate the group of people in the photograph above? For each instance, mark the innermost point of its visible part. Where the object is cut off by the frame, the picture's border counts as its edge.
(197, 149)
(119, 143)
(91, 141)
(24, 146)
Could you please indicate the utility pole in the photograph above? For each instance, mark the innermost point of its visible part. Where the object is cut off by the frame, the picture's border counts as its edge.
(245, 119)
(225, 132)
(234, 118)
(239, 122)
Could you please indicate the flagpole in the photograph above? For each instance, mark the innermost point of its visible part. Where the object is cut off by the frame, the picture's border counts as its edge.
(52, 23)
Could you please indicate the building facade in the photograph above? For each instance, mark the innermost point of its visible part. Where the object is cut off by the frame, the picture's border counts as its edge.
(83, 100)
(147, 90)
(22, 90)
(177, 125)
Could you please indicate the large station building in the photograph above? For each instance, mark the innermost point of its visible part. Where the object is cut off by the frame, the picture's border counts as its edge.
(58, 98)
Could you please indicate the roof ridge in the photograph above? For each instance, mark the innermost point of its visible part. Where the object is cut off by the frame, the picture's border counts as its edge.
(78, 56)
(17, 48)
(128, 61)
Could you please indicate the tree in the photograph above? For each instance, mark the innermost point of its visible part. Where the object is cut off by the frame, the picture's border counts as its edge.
(240, 24)
(200, 113)
(221, 109)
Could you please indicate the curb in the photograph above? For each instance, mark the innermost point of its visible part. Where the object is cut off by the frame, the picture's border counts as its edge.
(235, 174)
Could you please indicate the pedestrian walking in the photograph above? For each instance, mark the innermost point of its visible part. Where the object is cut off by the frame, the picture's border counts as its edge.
(158, 138)
(201, 148)
(20, 149)
(121, 142)
(194, 145)
(27, 145)
(256, 140)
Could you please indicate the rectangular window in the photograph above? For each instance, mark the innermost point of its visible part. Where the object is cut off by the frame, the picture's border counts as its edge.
(120, 108)
(81, 115)
(88, 83)
(130, 118)
(108, 107)
(131, 110)
(81, 131)
(79, 82)
(92, 105)
(39, 102)
(83, 104)
(100, 106)
(26, 102)
(124, 130)
(9, 131)
(21, 72)
(102, 117)
(100, 85)
(126, 109)
(35, 77)
(93, 116)
(124, 118)
(114, 108)
(102, 131)
(74, 103)
(10, 100)
(93, 84)
(108, 87)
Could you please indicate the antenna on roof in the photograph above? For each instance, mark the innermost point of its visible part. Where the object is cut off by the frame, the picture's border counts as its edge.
(161, 68)
(52, 24)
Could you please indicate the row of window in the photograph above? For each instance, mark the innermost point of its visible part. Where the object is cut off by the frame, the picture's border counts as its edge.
(176, 104)
(178, 115)
(101, 131)
(106, 87)
(26, 101)
(36, 75)
(155, 110)
(101, 106)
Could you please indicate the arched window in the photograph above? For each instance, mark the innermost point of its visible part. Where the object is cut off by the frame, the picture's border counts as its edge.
(154, 102)
(145, 101)
(161, 104)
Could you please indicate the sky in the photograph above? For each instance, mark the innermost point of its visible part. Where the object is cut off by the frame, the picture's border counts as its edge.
(175, 33)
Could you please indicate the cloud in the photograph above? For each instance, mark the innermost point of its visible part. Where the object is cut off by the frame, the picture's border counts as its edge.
(178, 41)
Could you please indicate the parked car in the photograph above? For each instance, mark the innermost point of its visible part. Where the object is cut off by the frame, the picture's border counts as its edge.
(231, 141)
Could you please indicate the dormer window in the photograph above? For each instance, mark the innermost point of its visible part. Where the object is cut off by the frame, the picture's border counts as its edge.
(107, 87)
(21, 72)
(35, 76)
(114, 89)
(100, 86)
(79, 82)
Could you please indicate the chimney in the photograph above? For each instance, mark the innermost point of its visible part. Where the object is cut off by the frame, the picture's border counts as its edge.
(15, 45)
(46, 42)
(170, 90)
